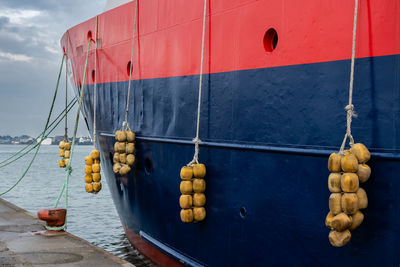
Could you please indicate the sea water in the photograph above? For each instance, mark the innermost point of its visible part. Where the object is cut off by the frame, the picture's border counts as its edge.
(91, 217)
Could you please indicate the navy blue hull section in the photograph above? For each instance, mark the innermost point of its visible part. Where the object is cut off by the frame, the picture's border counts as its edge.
(267, 134)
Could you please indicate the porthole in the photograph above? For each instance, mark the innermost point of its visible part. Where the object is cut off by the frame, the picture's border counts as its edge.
(148, 166)
(129, 68)
(242, 212)
(270, 40)
(89, 35)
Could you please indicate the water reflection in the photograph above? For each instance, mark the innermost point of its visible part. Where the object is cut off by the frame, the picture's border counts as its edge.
(91, 217)
(124, 250)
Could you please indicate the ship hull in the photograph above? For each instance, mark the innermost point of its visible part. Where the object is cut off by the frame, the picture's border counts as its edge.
(266, 203)
(266, 136)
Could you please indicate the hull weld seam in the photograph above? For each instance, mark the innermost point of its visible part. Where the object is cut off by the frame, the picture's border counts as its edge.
(263, 148)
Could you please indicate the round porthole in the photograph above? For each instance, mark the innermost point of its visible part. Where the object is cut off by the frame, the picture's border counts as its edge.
(129, 68)
(270, 40)
(89, 35)
(242, 212)
(148, 166)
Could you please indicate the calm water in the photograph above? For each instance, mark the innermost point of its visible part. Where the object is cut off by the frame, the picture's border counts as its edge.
(91, 217)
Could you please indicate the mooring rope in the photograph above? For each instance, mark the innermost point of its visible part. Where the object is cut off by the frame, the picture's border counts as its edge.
(57, 121)
(197, 140)
(95, 87)
(350, 106)
(66, 91)
(125, 124)
(68, 168)
(43, 134)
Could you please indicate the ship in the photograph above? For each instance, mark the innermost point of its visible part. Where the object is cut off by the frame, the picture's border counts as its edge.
(275, 82)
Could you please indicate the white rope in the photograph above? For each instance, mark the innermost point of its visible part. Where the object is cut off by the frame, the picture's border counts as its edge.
(125, 124)
(95, 87)
(196, 140)
(350, 106)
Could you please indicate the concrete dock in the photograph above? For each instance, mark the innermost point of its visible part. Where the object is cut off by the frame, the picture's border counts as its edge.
(21, 246)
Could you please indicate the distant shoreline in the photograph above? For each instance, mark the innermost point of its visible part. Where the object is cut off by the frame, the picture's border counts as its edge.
(26, 139)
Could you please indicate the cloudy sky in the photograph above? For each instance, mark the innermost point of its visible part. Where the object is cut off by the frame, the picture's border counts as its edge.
(30, 57)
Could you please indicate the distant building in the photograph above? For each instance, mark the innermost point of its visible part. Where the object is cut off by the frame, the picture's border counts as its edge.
(25, 140)
(48, 141)
(85, 141)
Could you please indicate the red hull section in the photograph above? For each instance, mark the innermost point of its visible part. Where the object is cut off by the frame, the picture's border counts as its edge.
(170, 36)
(149, 251)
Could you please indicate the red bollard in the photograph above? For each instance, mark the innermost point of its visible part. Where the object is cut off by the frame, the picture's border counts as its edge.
(53, 218)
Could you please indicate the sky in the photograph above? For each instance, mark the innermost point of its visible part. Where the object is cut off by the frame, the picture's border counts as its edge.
(30, 57)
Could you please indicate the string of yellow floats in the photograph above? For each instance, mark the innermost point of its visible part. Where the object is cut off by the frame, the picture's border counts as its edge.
(64, 153)
(124, 150)
(347, 197)
(193, 186)
(348, 169)
(124, 147)
(92, 162)
(92, 172)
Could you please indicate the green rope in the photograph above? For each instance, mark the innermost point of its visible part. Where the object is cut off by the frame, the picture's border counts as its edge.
(11, 160)
(46, 135)
(43, 134)
(68, 169)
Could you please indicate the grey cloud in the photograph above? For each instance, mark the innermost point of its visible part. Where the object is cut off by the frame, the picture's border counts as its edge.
(26, 87)
(4, 21)
(38, 4)
(28, 45)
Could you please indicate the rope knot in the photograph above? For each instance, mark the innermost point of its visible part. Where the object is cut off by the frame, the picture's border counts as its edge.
(125, 126)
(196, 140)
(350, 111)
(349, 107)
